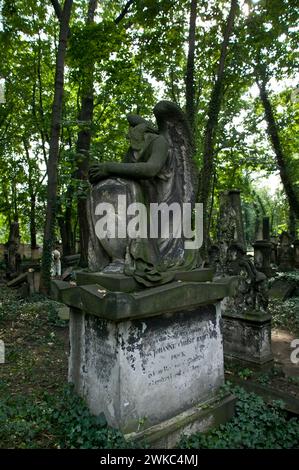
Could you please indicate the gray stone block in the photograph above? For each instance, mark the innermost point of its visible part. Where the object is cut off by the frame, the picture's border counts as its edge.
(148, 370)
(247, 338)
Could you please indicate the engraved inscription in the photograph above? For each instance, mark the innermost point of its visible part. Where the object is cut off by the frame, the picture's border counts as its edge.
(167, 357)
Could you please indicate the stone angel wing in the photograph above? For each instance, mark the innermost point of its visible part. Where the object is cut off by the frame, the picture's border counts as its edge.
(173, 125)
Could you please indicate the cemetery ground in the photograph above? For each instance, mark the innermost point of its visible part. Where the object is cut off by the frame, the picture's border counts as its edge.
(38, 409)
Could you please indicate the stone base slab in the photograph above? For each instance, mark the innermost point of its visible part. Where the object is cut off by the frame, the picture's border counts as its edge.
(201, 418)
(122, 283)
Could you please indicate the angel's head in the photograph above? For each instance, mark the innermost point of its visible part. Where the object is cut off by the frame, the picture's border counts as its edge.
(139, 131)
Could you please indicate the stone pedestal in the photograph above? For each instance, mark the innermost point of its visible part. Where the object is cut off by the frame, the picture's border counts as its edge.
(142, 372)
(262, 256)
(247, 339)
(149, 358)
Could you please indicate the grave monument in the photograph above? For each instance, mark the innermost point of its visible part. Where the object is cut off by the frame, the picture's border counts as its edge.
(285, 252)
(12, 256)
(263, 250)
(246, 323)
(145, 319)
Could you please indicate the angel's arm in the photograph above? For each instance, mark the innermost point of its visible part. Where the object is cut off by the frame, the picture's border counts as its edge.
(142, 170)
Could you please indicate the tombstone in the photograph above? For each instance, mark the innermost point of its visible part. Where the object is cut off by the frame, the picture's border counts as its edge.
(266, 228)
(246, 323)
(145, 321)
(27, 283)
(71, 260)
(285, 252)
(274, 250)
(231, 226)
(262, 256)
(20, 283)
(259, 229)
(296, 249)
(282, 289)
(33, 277)
(12, 257)
(263, 250)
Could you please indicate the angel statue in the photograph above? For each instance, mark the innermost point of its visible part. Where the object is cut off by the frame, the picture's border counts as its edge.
(157, 169)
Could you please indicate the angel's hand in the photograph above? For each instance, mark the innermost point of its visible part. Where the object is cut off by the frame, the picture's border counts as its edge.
(97, 172)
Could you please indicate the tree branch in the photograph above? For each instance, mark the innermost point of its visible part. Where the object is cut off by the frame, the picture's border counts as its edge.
(124, 11)
(91, 11)
(57, 8)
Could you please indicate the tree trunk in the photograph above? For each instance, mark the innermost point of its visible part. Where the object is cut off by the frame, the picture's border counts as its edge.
(33, 222)
(190, 88)
(65, 225)
(32, 194)
(83, 143)
(54, 147)
(292, 225)
(213, 114)
(273, 133)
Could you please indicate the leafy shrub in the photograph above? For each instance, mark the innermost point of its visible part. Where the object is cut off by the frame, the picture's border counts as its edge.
(254, 426)
(33, 308)
(77, 428)
(285, 314)
(288, 276)
(56, 421)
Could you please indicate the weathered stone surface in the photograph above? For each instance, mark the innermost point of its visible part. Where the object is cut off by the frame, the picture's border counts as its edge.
(63, 312)
(196, 275)
(67, 274)
(274, 251)
(122, 283)
(282, 289)
(149, 370)
(286, 252)
(200, 418)
(33, 278)
(17, 281)
(262, 256)
(12, 256)
(113, 282)
(57, 287)
(231, 227)
(97, 300)
(229, 258)
(266, 228)
(247, 338)
(157, 168)
(71, 260)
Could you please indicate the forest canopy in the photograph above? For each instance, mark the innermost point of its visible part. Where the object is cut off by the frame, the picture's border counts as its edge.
(72, 70)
